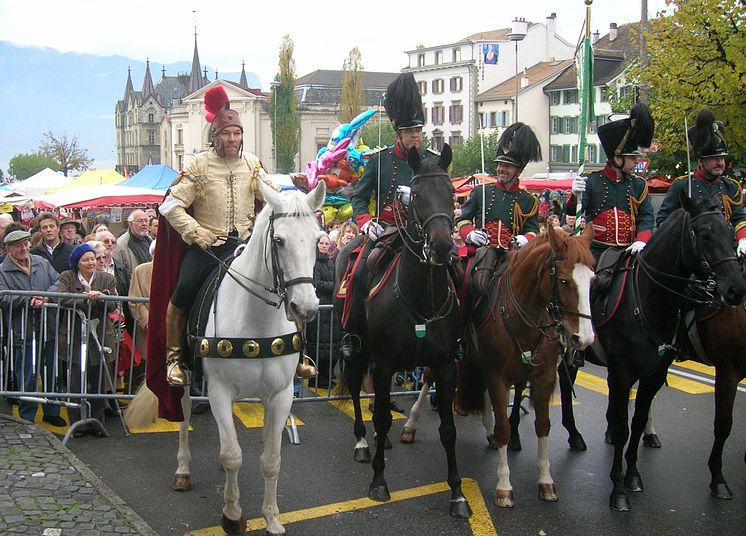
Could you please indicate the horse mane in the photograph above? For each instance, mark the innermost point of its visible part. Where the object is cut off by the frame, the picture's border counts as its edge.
(294, 204)
(535, 252)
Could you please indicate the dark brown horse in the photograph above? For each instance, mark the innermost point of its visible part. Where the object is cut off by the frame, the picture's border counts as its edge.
(412, 320)
(538, 306)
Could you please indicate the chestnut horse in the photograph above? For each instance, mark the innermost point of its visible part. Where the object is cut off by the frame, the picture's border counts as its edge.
(539, 305)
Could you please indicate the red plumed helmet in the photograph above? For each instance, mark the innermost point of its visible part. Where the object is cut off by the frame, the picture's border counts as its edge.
(216, 100)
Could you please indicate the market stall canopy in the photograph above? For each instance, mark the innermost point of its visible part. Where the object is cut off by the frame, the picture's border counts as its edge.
(546, 184)
(101, 195)
(92, 177)
(157, 177)
(42, 182)
(464, 185)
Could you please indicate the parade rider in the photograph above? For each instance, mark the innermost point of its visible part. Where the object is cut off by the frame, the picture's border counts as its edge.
(211, 205)
(615, 200)
(707, 139)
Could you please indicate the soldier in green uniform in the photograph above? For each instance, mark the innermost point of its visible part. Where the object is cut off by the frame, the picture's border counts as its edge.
(511, 214)
(708, 142)
(615, 201)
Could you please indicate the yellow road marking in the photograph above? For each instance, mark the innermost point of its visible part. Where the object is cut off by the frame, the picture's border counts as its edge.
(480, 521)
(251, 414)
(699, 367)
(594, 383)
(346, 407)
(689, 386)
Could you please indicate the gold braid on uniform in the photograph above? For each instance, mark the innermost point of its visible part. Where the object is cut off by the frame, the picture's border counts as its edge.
(730, 202)
(519, 217)
(634, 202)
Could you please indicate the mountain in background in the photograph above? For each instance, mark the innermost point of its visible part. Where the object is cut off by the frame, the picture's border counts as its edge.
(43, 89)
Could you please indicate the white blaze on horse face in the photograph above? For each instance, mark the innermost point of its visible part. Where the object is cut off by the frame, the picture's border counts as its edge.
(582, 275)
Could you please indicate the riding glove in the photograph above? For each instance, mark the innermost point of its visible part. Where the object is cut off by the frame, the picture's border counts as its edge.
(520, 241)
(404, 193)
(204, 238)
(741, 248)
(373, 229)
(578, 185)
(477, 237)
(636, 247)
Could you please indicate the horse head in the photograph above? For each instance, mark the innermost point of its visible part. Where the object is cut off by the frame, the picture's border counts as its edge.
(710, 248)
(431, 204)
(292, 235)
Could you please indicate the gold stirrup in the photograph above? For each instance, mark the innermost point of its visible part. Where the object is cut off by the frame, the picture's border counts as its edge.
(306, 368)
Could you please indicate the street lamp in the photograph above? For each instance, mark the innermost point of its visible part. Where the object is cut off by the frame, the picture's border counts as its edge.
(274, 84)
(517, 32)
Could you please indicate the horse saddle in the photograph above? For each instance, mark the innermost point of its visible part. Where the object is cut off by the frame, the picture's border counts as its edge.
(612, 269)
(387, 245)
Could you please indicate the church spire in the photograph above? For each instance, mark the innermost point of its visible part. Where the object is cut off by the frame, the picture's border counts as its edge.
(242, 82)
(128, 89)
(195, 78)
(147, 85)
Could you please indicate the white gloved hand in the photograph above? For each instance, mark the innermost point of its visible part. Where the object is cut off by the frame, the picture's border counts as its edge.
(477, 237)
(373, 229)
(636, 247)
(204, 238)
(578, 185)
(520, 241)
(404, 194)
(741, 248)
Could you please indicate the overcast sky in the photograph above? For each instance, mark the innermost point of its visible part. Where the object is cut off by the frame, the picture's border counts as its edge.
(230, 32)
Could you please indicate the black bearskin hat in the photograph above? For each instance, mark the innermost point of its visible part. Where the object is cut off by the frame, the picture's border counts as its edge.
(403, 102)
(518, 145)
(627, 136)
(707, 136)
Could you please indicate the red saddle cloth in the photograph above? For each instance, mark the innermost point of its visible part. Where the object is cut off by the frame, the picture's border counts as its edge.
(345, 290)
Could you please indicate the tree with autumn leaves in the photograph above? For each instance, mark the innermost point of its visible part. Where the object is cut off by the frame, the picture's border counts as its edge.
(283, 111)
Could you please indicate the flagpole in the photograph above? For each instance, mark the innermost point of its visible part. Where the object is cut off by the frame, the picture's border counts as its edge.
(484, 185)
(586, 93)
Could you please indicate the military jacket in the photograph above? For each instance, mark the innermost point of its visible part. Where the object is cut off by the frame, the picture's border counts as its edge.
(509, 212)
(619, 209)
(729, 192)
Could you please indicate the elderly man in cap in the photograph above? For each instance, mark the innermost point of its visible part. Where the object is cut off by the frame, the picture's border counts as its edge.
(219, 187)
(69, 231)
(133, 247)
(52, 247)
(22, 271)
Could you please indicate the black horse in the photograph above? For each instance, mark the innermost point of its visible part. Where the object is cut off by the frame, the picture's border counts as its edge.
(412, 320)
(689, 259)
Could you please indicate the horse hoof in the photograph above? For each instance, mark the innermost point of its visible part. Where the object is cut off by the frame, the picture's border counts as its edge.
(379, 493)
(577, 443)
(721, 491)
(407, 435)
(633, 483)
(504, 498)
(460, 508)
(231, 526)
(362, 455)
(548, 492)
(608, 439)
(182, 483)
(651, 441)
(493, 442)
(619, 502)
(514, 443)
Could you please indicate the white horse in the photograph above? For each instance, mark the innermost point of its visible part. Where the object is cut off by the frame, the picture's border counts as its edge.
(280, 255)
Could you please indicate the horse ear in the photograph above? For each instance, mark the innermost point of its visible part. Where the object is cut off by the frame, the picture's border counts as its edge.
(270, 196)
(686, 201)
(555, 239)
(316, 196)
(588, 233)
(446, 156)
(413, 159)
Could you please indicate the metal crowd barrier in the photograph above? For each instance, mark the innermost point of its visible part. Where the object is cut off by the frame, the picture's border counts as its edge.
(33, 349)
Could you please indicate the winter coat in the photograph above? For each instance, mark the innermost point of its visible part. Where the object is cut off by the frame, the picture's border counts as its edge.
(60, 256)
(104, 283)
(323, 281)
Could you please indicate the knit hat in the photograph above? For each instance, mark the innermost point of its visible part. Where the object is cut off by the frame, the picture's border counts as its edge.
(77, 253)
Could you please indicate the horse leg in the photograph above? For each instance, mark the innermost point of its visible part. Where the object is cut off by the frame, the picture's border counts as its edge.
(378, 489)
(410, 428)
(726, 383)
(230, 457)
(567, 376)
(514, 443)
(649, 437)
(276, 411)
(488, 419)
(355, 370)
(617, 416)
(446, 382)
(648, 387)
(541, 391)
(499, 396)
(183, 478)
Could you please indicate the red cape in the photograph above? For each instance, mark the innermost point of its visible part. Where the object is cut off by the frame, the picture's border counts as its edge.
(169, 250)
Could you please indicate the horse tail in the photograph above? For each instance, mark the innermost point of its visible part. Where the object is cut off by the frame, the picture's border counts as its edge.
(143, 410)
(470, 388)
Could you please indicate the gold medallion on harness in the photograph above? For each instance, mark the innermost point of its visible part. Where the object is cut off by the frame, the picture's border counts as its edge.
(296, 342)
(224, 348)
(278, 346)
(204, 347)
(251, 348)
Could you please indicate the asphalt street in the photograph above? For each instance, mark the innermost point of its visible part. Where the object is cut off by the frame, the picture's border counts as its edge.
(324, 492)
